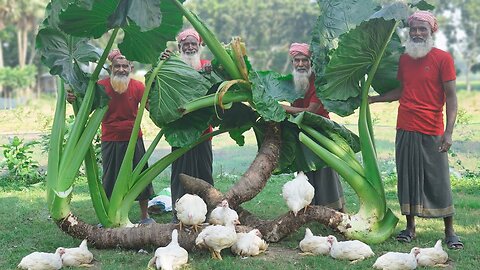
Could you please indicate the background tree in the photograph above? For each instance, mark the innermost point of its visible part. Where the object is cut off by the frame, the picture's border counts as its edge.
(267, 27)
(462, 29)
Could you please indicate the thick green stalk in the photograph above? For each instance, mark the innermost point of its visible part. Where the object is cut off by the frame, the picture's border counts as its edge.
(126, 169)
(212, 42)
(84, 143)
(82, 117)
(212, 99)
(59, 201)
(97, 192)
(366, 133)
(148, 154)
(365, 191)
(377, 232)
(148, 175)
(331, 146)
(55, 148)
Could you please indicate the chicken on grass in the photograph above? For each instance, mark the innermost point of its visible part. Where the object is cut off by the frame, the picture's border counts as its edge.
(298, 193)
(191, 210)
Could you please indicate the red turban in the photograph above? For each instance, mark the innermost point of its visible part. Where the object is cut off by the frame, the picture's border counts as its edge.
(115, 54)
(189, 32)
(297, 48)
(424, 16)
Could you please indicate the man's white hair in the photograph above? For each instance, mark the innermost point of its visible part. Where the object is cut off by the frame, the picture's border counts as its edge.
(120, 83)
(301, 80)
(192, 60)
(418, 50)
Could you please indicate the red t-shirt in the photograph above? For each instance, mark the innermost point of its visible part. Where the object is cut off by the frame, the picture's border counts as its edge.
(311, 97)
(423, 97)
(117, 124)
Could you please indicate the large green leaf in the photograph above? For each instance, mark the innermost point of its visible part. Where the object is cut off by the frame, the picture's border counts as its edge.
(189, 128)
(240, 118)
(337, 18)
(268, 88)
(63, 54)
(145, 13)
(176, 84)
(148, 24)
(351, 61)
(385, 78)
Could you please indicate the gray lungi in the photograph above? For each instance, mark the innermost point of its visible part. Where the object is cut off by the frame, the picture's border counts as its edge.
(112, 158)
(328, 190)
(423, 175)
(196, 163)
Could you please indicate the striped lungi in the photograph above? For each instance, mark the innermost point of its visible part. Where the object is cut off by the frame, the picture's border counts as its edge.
(112, 158)
(328, 190)
(423, 175)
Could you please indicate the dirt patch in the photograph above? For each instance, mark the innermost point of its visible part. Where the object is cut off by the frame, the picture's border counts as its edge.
(276, 252)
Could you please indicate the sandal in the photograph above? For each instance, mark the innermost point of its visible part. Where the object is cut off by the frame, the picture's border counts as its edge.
(405, 236)
(453, 242)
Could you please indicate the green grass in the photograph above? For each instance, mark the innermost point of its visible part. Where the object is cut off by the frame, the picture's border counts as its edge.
(25, 225)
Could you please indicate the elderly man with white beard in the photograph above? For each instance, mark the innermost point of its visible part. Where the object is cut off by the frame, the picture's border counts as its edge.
(328, 190)
(198, 161)
(125, 95)
(427, 77)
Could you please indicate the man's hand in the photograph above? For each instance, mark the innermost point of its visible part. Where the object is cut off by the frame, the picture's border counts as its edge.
(445, 142)
(207, 68)
(165, 54)
(71, 97)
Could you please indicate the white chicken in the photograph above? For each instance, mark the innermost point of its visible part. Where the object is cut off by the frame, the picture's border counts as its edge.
(397, 260)
(79, 256)
(434, 256)
(222, 213)
(316, 245)
(353, 250)
(217, 237)
(298, 193)
(42, 260)
(249, 244)
(191, 210)
(171, 257)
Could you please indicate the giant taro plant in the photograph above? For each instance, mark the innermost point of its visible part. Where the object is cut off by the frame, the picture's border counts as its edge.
(352, 43)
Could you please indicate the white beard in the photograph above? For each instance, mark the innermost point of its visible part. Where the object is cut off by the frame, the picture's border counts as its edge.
(192, 60)
(419, 49)
(120, 83)
(301, 81)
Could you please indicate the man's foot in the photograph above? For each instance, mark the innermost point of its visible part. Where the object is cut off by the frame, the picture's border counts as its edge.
(405, 236)
(147, 221)
(453, 242)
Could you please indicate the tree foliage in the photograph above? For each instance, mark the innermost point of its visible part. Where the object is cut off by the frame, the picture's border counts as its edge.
(267, 27)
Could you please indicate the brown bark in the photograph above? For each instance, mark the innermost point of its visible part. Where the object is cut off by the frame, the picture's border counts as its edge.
(144, 236)
(246, 188)
(255, 178)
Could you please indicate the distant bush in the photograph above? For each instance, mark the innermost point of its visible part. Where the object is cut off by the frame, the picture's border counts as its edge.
(21, 169)
(18, 78)
(461, 85)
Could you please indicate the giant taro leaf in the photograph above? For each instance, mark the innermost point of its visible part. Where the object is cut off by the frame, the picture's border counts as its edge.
(240, 118)
(147, 24)
(268, 88)
(189, 128)
(351, 61)
(63, 54)
(175, 85)
(337, 18)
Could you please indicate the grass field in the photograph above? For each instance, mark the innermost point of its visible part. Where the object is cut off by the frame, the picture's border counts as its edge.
(25, 225)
